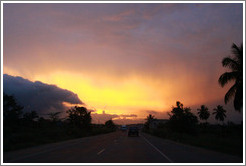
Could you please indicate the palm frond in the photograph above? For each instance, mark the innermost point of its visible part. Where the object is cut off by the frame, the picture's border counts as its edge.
(231, 63)
(238, 100)
(237, 51)
(235, 63)
(226, 77)
(231, 93)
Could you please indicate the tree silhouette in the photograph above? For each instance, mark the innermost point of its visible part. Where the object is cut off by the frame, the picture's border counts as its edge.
(79, 117)
(149, 119)
(219, 113)
(181, 119)
(11, 110)
(110, 124)
(54, 116)
(203, 113)
(177, 111)
(30, 116)
(235, 64)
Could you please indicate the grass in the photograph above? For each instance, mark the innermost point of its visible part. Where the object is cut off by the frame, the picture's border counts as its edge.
(26, 136)
(225, 139)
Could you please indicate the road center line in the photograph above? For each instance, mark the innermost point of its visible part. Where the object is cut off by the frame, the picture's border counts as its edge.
(100, 152)
(157, 149)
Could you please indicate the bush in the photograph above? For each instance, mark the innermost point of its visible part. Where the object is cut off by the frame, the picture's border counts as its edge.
(110, 124)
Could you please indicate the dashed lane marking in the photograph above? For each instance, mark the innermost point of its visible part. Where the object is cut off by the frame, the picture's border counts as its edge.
(100, 151)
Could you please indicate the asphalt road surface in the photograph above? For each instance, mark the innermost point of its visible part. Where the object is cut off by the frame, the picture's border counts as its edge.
(117, 147)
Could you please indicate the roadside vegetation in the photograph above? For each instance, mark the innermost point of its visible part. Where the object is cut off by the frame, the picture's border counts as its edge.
(21, 130)
(183, 126)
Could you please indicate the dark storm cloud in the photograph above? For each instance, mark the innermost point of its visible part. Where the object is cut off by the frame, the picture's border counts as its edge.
(38, 96)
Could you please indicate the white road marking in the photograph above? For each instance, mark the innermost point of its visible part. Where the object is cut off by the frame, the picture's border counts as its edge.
(157, 150)
(100, 152)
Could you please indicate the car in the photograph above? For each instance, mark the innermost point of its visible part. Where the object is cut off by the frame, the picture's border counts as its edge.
(123, 128)
(133, 131)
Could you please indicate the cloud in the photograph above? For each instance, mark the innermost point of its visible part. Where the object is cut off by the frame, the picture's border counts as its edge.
(175, 36)
(103, 117)
(38, 96)
(129, 121)
(128, 116)
(157, 114)
(174, 49)
(151, 112)
(121, 16)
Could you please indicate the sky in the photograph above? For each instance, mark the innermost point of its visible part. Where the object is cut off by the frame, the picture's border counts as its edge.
(124, 61)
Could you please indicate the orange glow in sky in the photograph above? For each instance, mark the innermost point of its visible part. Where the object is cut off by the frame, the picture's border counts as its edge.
(124, 59)
(129, 96)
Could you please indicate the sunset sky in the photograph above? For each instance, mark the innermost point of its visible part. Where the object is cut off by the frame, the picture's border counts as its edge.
(126, 59)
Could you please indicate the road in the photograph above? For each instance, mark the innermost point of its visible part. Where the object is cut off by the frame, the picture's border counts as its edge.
(117, 147)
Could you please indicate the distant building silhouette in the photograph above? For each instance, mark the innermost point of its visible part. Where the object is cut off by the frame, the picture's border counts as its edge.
(156, 122)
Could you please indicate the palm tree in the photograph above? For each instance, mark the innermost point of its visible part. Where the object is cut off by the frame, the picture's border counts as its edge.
(149, 119)
(30, 116)
(54, 116)
(235, 64)
(203, 113)
(219, 112)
